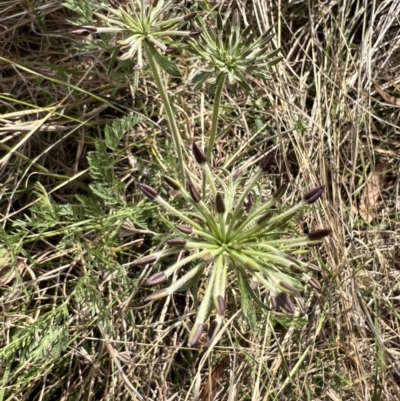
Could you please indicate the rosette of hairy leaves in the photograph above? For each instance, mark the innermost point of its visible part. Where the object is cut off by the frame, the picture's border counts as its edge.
(219, 233)
(144, 26)
(232, 53)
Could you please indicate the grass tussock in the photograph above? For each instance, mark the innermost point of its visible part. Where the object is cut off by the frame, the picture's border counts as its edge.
(81, 130)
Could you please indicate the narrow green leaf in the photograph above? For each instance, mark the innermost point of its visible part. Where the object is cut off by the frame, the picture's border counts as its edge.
(275, 62)
(200, 78)
(168, 66)
(246, 302)
(242, 82)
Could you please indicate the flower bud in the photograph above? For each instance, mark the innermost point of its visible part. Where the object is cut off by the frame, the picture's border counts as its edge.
(267, 162)
(211, 331)
(196, 334)
(314, 283)
(289, 289)
(90, 28)
(177, 242)
(318, 234)
(199, 154)
(220, 204)
(194, 193)
(313, 195)
(145, 261)
(194, 33)
(296, 269)
(283, 300)
(82, 32)
(170, 49)
(220, 305)
(172, 183)
(157, 278)
(189, 17)
(149, 191)
(184, 228)
(313, 268)
(274, 305)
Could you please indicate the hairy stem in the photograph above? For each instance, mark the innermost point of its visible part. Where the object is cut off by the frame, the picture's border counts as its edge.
(170, 113)
(214, 125)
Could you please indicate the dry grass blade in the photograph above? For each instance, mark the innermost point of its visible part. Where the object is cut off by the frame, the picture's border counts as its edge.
(372, 192)
(74, 325)
(390, 99)
(210, 388)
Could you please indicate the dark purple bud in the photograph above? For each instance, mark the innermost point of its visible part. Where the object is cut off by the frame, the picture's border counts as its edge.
(189, 17)
(171, 49)
(199, 154)
(318, 234)
(149, 191)
(296, 269)
(264, 218)
(90, 28)
(267, 162)
(82, 32)
(197, 335)
(194, 193)
(220, 204)
(154, 3)
(313, 195)
(221, 306)
(314, 283)
(157, 278)
(211, 330)
(289, 289)
(194, 33)
(145, 261)
(250, 202)
(183, 228)
(114, 3)
(313, 268)
(283, 300)
(177, 242)
(172, 183)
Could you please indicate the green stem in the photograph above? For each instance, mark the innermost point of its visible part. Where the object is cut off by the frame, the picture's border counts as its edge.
(214, 124)
(170, 113)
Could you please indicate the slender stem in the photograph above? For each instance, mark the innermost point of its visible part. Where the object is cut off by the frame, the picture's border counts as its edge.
(170, 113)
(170, 208)
(214, 124)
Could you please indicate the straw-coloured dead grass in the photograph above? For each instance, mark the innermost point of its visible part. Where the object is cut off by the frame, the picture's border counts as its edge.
(74, 325)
